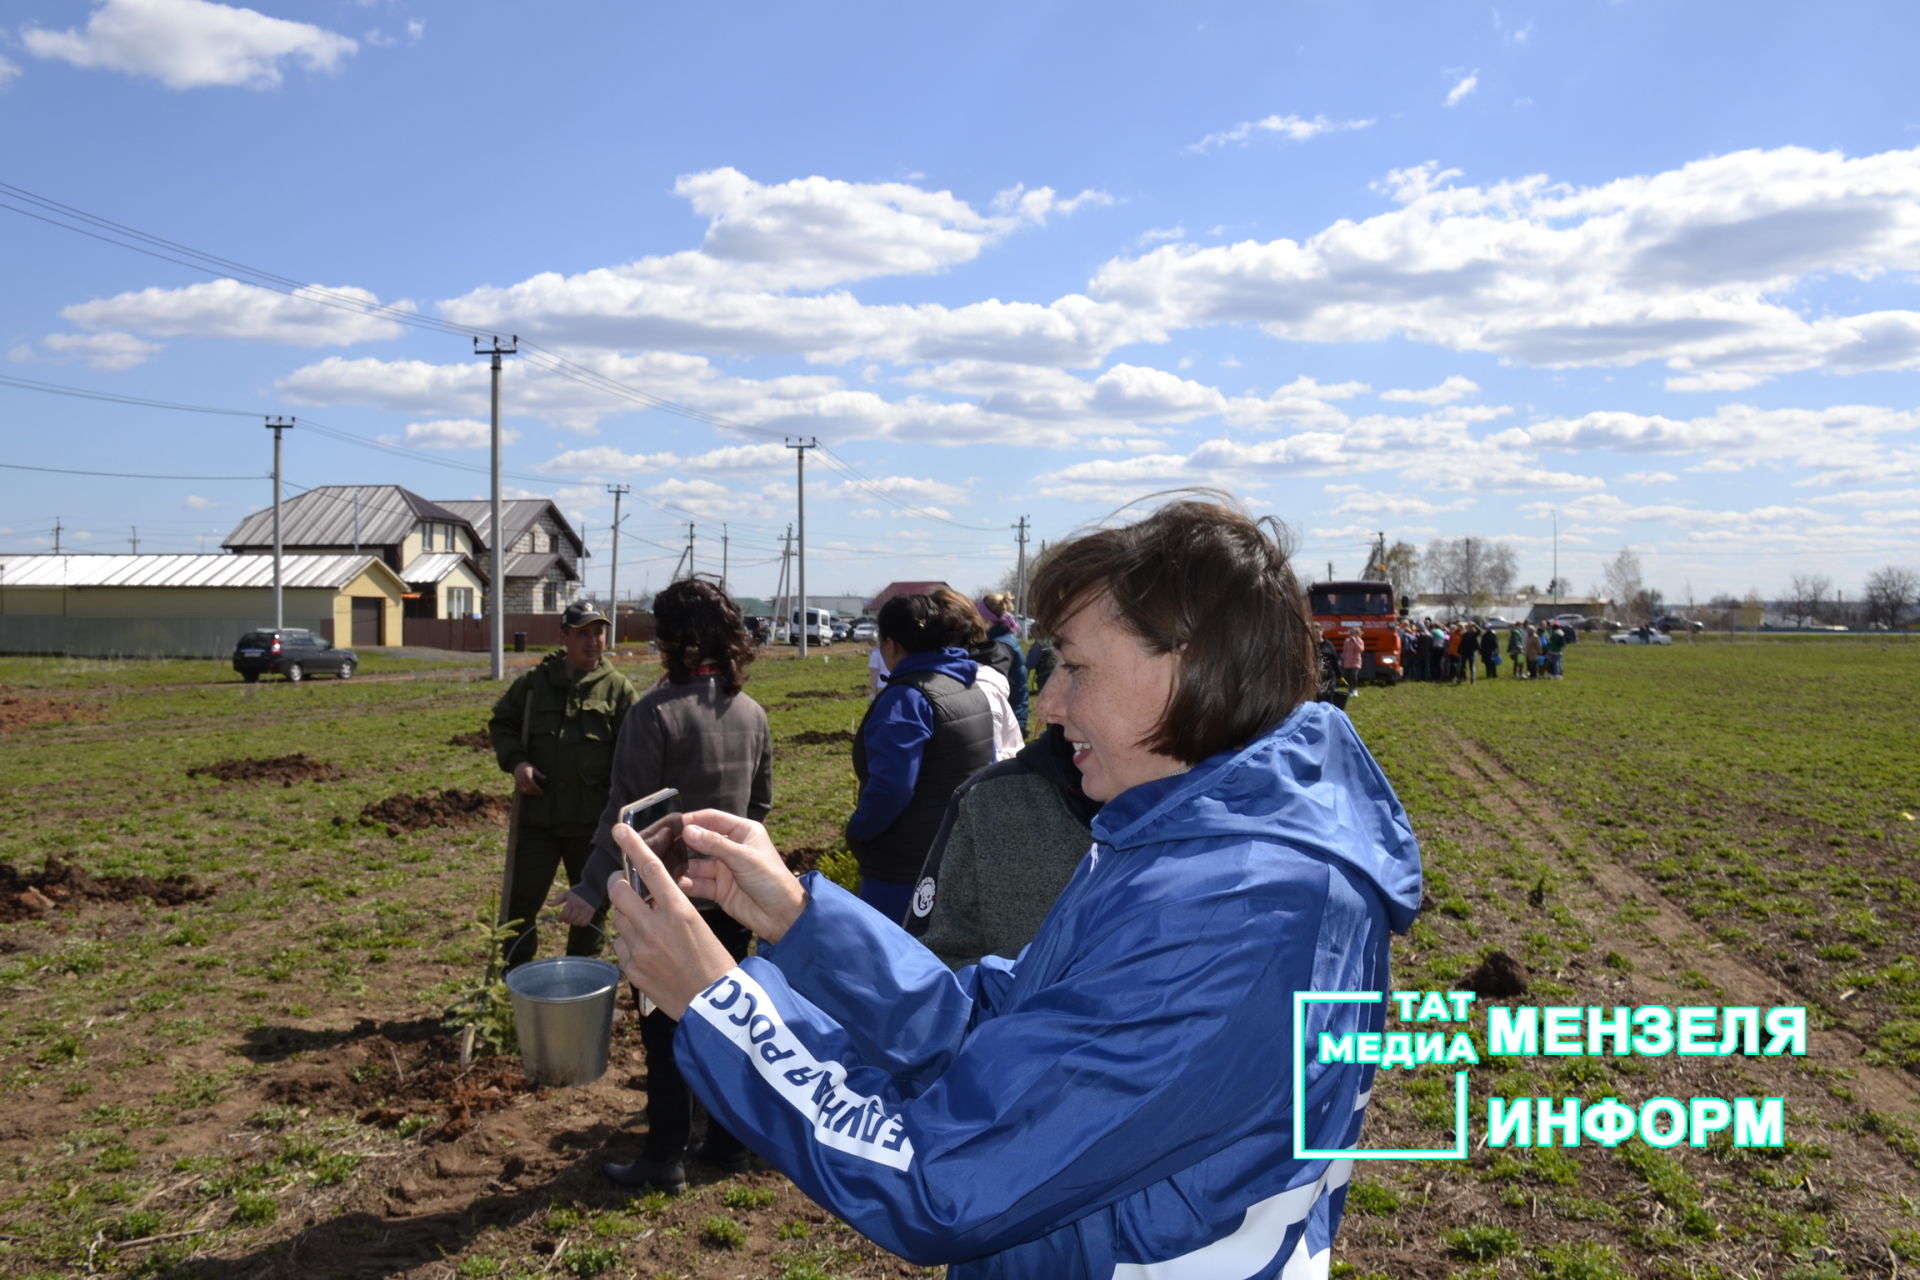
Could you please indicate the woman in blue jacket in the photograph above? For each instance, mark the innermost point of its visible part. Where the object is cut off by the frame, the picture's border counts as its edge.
(1120, 1100)
(926, 732)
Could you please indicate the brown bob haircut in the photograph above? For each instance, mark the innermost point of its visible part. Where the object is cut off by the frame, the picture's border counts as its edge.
(1205, 581)
(696, 624)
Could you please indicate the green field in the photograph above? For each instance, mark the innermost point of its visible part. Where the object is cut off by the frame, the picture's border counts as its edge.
(241, 1083)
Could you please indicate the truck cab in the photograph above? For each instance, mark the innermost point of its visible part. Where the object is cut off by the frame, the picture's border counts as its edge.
(1342, 608)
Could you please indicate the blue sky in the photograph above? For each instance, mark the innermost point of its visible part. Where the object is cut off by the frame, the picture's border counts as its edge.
(1643, 273)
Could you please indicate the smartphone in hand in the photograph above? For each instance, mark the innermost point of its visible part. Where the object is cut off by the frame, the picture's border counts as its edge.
(656, 819)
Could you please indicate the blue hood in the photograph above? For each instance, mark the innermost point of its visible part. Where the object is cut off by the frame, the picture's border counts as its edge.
(948, 662)
(1310, 782)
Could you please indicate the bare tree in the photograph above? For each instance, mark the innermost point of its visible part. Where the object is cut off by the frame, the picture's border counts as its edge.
(1722, 612)
(1500, 570)
(1806, 598)
(1624, 585)
(1890, 589)
(1467, 572)
(1401, 566)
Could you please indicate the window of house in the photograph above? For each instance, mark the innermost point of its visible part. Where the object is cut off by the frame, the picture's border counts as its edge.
(459, 602)
(426, 537)
(550, 593)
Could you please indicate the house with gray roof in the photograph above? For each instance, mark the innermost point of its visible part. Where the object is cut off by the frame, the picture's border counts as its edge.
(542, 552)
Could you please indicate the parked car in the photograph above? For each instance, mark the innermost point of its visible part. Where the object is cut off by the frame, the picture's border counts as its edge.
(1641, 635)
(841, 628)
(293, 652)
(866, 629)
(1676, 622)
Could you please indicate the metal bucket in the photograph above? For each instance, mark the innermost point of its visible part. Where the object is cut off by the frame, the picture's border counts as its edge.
(563, 1015)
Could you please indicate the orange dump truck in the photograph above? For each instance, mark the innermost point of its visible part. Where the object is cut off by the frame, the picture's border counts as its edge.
(1365, 607)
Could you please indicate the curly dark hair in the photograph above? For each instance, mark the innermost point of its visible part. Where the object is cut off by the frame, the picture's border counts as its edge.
(697, 624)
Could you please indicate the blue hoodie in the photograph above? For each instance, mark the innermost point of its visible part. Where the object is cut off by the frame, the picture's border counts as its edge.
(1119, 1101)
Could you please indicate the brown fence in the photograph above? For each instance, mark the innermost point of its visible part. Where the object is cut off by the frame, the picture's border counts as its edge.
(473, 635)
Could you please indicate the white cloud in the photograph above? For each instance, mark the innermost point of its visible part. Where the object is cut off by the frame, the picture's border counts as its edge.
(736, 294)
(9, 71)
(1133, 392)
(1466, 85)
(195, 502)
(1454, 388)
(1695, 266)
(105, 351)
(1360, 501)
(1161, 235)
(1864, 497)
(1037, 205)
(1293, 128)
(229, 309)
(456, 433)
(1649, 478)
(190, 44)
(1822, 444)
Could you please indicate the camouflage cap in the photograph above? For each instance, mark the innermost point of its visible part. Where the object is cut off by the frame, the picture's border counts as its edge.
(582, 613)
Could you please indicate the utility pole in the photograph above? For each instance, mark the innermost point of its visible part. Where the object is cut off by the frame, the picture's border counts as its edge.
(134, 541)
(1020, 572)
(690, 568)
(780, 587)
(497, 587)
(56, 531)
(1556, 562)
(277, 425)
(613, 581)
(723, 559)
(800, 454)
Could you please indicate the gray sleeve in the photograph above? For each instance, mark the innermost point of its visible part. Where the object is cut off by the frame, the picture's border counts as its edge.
(952, 928)
(636, 769)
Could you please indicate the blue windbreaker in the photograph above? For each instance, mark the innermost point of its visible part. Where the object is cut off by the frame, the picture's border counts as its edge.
(1119, 1101)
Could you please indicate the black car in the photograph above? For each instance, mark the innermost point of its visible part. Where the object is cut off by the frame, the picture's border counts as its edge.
(293, 652)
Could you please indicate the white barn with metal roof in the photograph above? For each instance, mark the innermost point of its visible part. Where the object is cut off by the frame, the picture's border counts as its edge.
(102, 600)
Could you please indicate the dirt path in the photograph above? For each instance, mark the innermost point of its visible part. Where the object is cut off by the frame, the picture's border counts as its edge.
(1667, 940)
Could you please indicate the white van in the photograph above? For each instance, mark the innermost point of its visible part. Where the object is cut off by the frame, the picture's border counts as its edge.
(819, 626)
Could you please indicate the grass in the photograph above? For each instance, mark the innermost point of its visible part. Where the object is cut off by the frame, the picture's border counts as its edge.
(1761, 787)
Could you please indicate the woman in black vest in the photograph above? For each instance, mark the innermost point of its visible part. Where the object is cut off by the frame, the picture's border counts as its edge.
(926, 733)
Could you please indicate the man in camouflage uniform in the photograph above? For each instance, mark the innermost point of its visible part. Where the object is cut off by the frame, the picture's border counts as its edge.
(555, 731)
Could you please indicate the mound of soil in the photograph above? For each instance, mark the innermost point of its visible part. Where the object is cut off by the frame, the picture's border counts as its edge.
(821, 737)
(477, 740)
(20, 712)
(383, 1081)
(801, 861)
(25, 896)
(1498, 977)
(448, 807)
(286, 770)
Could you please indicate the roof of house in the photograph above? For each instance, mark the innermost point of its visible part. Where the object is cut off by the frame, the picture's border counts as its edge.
(435, 565)
(328, 517)
(893, 589)
(534, 564)
(517, 515)
(208, 570)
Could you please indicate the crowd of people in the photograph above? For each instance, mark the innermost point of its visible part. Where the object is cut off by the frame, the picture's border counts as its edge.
(1040, 1037)
(1449, 653)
